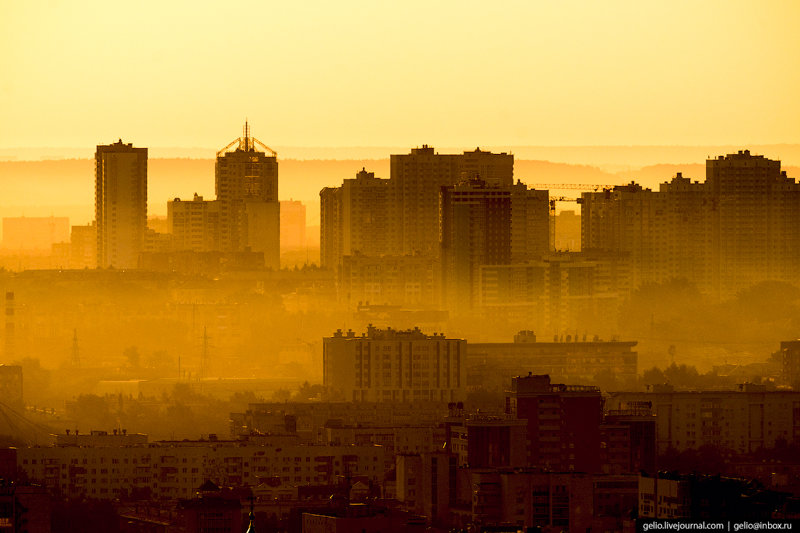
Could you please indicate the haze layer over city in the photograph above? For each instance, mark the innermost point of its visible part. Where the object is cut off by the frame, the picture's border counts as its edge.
(418, 267)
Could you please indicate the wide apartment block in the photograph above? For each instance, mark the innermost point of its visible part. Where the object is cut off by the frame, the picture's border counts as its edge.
(734, 230)
(432, 485)
(743, 420)
(170, 469)
(411, 281)
(558, 292)
(194, 224)
(120, 204)
(398, 366)
(493, 364)
(310, 420)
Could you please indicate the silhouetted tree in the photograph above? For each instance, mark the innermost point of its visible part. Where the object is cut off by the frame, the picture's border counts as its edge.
(132, 355)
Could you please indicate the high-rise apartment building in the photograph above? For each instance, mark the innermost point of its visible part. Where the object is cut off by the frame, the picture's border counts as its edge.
(400, 216)
(392, 365)
(330, 227)
(484, 224)
(530, 223)
(120, 204)
(247, 192)
(628, 219)
(563, 422)
(358, 218)
(368, 215)
(417, 178)
(754, 230)
(475, 228)
(194, 224)
(736, 229)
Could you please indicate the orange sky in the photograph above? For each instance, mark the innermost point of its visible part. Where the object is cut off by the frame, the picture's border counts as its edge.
(166, 73)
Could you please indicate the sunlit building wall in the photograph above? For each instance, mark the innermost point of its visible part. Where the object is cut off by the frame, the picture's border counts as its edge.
(194, 224)
(247, 192)
(734, 230)
(391, 365)
(120, 204)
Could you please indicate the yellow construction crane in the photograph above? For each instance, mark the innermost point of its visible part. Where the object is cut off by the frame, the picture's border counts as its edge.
(553, 200)
(587, 187)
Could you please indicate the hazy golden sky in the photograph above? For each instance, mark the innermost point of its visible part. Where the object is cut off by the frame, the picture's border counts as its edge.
(375, 73)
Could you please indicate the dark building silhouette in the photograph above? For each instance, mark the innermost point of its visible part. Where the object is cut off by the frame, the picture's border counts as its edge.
(24, 508)
(790, 360)
(211, 514)
(120, 204)
(629, 439)
(492, 442)
(744, 420)
(563, 428)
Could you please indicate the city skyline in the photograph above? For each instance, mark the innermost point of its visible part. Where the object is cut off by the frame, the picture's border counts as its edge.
(523, 266)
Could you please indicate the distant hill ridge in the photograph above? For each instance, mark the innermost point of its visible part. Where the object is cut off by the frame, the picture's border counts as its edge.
(52, 186)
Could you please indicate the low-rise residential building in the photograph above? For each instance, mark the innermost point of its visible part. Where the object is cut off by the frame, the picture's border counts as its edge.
(394, 366)
(743, 420)
(492, 364)
(174, 469)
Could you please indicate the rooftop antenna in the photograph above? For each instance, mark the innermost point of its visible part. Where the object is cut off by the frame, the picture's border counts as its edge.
(76, 354)
(247, 145)
(204, 361)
